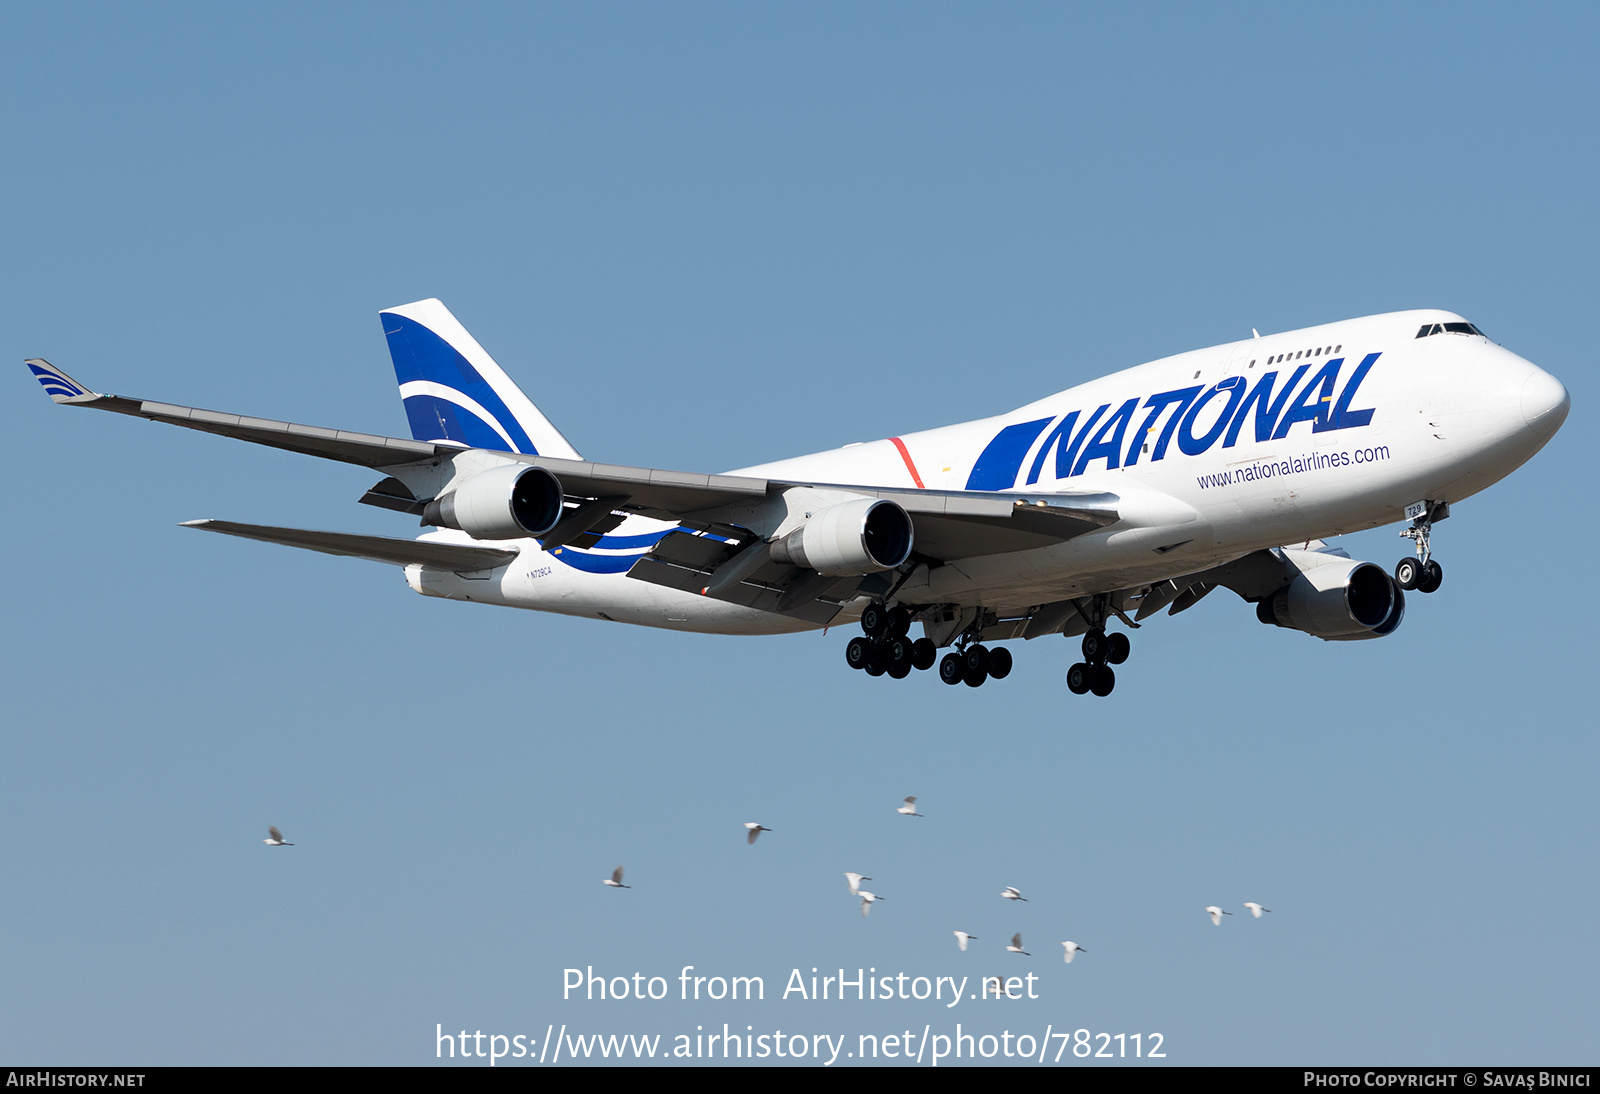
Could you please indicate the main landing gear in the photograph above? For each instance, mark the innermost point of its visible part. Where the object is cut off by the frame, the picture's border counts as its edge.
(973, 663)
(1422, 573)
(1100, 652)
(884, 650)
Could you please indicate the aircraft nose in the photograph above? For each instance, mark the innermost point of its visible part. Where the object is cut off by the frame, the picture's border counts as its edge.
(1544, 403)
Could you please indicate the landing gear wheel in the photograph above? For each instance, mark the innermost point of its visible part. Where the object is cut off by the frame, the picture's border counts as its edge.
(875, 620)
(1431, 578)
(1407, 572)
(1102, 681)
(875, 669)
(1078, 678)
(1094, 647)
(900, 672)
(999, 663)
(975, 661)
(858, 653)
(899, 623)
(1117, 648)
(923, 654)
(897, 656)
(951, 670)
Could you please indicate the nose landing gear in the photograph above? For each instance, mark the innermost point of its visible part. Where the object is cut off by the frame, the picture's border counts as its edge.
(1422, 573)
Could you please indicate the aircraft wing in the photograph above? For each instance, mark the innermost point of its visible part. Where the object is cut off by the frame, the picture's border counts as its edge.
(649, 491)
(949, 524)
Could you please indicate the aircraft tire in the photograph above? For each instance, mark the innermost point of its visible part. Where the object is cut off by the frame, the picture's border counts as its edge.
(999, 663)
(897, 654)
(1078, 678)
(1117, 648)
(1094, 647)
(858, 653)
(1431, 578)
(899, 623)
(875, 669)
(923, 654)
(900, 672)
(1102, 680)
(975, 660)
(951, 669)
(1407, 572)
(874, 620)
(974, 678)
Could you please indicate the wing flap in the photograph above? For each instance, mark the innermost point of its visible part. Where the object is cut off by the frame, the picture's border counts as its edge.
(699, 553)
(811, 606)
(399, 552)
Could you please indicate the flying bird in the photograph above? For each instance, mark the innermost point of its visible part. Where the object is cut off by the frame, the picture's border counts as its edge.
(1216, 914)
(909, 808)
(854, 881)
(1016, 945)
(1072, 948)
(277, 839)
(615, 880)
(866, 901)
(962, 938)
(1011, 892)
(755, 830)
(1255, 909)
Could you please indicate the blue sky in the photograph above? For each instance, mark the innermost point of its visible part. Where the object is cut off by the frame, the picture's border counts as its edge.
(704, 236)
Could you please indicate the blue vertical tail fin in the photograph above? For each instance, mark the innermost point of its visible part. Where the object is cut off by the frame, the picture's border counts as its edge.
(454, 392)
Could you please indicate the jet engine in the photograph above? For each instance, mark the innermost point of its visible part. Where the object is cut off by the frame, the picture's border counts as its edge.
(849, 539)
(1340, 600)
(510, 502)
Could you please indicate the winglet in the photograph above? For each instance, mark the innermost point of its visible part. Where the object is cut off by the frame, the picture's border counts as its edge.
(57, 384)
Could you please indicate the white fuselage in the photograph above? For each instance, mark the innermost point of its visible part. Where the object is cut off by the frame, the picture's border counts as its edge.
(1213, 454)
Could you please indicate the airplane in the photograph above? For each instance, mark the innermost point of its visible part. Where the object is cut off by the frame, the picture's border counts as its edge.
(1145, 489)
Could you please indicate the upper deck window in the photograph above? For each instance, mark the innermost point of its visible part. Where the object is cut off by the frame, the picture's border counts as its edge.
(1449, 328)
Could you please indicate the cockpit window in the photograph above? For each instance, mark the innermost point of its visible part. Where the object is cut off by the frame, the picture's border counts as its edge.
(1448, 328)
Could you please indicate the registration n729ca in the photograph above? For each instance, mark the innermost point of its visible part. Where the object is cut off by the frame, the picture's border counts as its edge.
(1103, 504)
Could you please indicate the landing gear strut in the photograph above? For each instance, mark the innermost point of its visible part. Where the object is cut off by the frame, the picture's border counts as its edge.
(1422, 573)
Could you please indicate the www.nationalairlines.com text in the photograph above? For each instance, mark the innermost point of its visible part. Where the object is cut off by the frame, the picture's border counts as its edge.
(1293, 465)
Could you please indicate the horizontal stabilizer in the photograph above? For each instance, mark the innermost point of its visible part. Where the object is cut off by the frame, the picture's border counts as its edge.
(399, 552)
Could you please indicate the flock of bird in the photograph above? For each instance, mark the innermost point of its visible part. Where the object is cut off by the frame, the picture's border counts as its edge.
(853, 880)
(908, 808)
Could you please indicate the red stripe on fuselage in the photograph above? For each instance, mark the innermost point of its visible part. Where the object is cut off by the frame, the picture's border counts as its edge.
(911, 467)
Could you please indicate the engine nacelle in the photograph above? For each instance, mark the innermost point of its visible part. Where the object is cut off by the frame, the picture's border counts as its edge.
(1338, 601)
(510, 502)
(849, 539)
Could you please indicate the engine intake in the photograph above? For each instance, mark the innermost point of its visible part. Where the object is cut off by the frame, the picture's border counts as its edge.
(849, 539)
(510, 502)
(1340, 601)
